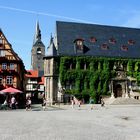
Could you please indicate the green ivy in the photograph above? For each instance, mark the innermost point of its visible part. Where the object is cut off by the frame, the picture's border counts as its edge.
(97, 76)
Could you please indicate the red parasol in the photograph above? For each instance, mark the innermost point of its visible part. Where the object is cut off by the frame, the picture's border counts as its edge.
(10, 90)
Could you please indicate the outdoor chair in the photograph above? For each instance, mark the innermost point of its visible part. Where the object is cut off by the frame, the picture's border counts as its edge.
(3, 107)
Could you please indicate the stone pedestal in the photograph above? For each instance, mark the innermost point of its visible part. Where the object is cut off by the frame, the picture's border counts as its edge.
(112, 95)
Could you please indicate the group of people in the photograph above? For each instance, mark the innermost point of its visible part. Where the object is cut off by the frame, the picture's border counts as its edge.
(11, 104)
(91, 101)
(73, 102)
(29, 102)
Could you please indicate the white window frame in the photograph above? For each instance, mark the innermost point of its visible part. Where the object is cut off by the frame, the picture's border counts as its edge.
(1, 80)
(12, 66)
(4, 66)
(9, 80)
(2, 53)
(79, 42)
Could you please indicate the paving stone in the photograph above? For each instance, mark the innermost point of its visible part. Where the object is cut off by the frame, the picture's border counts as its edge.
(112, 122)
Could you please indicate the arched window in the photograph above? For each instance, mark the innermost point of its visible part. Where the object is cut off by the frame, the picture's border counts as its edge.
(38, 51)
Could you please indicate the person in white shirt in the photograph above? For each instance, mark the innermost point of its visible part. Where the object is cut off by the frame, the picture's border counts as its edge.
(28, 104)
(13, 101)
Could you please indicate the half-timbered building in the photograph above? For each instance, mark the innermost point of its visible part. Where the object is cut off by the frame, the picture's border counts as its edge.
(12, 69)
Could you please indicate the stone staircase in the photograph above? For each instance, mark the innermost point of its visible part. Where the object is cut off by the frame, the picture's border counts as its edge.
(122, 101)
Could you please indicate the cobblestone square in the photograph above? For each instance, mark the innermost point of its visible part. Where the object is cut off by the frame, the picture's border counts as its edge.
(108, 123)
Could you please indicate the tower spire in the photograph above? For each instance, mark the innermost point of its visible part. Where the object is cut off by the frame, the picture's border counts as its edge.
(37, 35)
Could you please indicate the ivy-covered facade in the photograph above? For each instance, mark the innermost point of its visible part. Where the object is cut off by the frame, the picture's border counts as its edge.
(87, 77)
(86, 61)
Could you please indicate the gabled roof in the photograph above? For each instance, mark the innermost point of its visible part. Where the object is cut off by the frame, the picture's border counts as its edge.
(125, 41)
(32, 74)
(1, 32)
(10, 49)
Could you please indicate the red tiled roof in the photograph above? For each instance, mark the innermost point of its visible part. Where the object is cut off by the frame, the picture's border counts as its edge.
(42, 80)
(32, 73)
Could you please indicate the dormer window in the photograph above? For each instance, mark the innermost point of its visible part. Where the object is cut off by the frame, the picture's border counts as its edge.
(131, 42)
(93, 39)
(79, 45)
(112, 40)
(124, 48)
(79, 42)
(104, 46)
(38, 51)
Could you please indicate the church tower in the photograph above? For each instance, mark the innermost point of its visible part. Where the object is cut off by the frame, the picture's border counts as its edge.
(38, 52)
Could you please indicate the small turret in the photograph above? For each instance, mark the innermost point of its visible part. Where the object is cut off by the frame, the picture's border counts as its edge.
(51, 48)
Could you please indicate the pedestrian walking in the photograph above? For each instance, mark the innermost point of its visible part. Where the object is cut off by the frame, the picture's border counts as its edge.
(44, 103)
(72, 103)
(28, 104)
(91, 101)
(79, 104)
(102, 102)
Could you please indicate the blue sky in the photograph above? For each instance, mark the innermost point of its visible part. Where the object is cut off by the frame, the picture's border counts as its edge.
(19, 27)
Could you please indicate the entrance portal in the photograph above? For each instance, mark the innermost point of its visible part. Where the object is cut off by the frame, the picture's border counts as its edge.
(118, 91)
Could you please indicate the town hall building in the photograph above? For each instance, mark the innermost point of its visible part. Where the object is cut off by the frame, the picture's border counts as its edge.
(90, 61)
